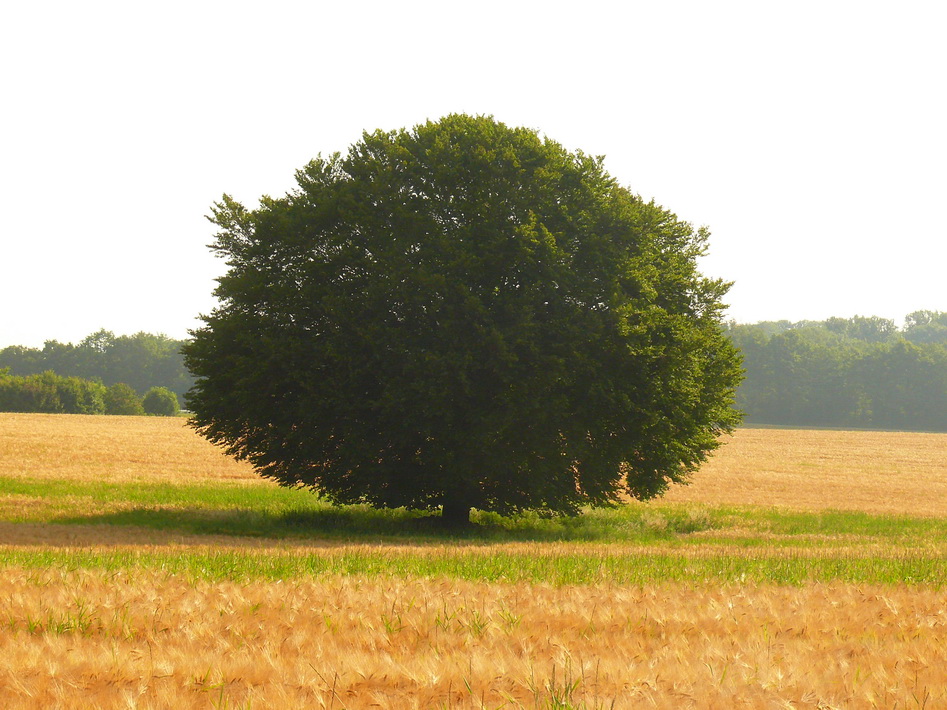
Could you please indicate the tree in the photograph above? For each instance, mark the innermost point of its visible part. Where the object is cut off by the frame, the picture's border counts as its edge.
(463, 315)
(846, 372)
(926, 327)
(907, 386)
(141, 360)
(21, 360)
(160, 401)
(79, 396)
(870, 329)
(50, 393)
(122, 399)
(32, 393)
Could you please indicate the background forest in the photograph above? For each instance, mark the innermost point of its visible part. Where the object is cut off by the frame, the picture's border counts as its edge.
(860, 372)
(104, 373)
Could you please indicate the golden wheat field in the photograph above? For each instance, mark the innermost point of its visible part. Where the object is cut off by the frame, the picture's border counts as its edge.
(81, 639)
(79, 447)
(873, 471)
(133, 638)
(886, 472)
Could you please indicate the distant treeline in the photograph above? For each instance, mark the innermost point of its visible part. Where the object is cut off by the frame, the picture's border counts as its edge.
(843, 372)
(846, 372)
(141, 361)
(53, 394)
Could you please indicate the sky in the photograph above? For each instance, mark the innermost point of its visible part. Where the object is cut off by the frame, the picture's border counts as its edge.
(810, 137)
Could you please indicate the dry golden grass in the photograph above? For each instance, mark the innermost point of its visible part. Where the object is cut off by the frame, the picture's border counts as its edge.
(84, 639)
(879, 472)
(79, 447)
(143, 639)
(876, 472)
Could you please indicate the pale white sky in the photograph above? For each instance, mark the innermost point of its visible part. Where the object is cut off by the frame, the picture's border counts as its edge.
(809, 136)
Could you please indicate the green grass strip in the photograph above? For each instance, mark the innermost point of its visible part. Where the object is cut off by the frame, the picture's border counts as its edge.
(205, 495)
(828, 522)
(270, 511)
(555, 569)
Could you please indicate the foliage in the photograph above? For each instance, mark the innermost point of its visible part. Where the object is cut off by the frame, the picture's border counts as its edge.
(51, 393)
(463, 315)
(767, 543)
(78, 396)
(141, 360)
(160, 401)
(856, 372)
(122, 399)
(923, 327)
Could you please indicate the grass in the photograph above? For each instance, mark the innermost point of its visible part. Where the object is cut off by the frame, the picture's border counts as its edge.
(799, 524)
(890, 473)
(280, 513)
(530, 565)
(634, 544)
(216, 508)
(140, 638)
(141, 568)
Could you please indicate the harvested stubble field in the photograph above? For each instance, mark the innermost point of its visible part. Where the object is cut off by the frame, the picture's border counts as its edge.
(141, 568)
(898, 473)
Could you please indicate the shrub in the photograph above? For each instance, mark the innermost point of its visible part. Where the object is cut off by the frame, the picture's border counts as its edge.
(78, 396)
(49, 393)
(161, 401)
(33, 393)
(122, 399)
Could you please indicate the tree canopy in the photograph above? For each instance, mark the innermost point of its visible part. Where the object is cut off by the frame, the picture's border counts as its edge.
(48, 392)
(160, 401)
(459, 315)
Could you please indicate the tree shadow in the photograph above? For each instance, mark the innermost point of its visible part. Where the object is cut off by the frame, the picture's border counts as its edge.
(329, 525)
(338, 525)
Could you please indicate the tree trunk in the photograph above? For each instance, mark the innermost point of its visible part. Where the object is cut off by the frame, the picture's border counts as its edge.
(455, 514)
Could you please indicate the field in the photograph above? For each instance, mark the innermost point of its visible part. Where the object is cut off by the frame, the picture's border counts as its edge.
(141, 568)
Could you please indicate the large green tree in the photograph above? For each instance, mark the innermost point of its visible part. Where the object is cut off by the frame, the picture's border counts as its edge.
(462, 315)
